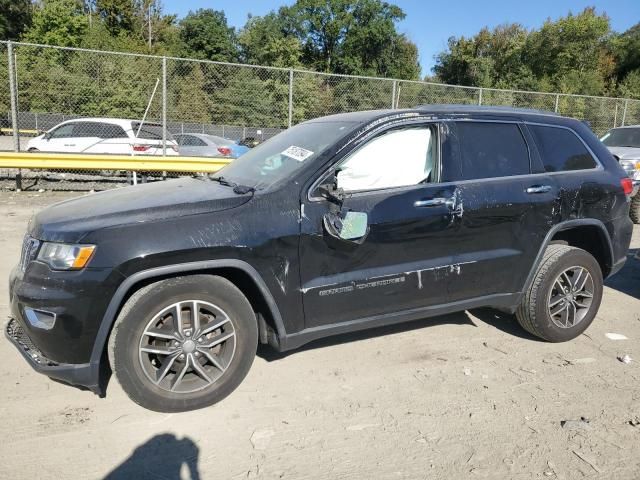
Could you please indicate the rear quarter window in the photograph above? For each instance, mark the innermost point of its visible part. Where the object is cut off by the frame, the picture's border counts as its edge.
(561, 149)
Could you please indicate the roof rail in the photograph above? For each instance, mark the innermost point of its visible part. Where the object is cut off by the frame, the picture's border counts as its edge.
(439, 107)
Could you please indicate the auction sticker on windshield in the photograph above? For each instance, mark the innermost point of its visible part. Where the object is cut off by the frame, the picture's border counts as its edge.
(297, 153)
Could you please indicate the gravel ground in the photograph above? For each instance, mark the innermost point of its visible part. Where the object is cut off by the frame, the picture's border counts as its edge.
(468, 395)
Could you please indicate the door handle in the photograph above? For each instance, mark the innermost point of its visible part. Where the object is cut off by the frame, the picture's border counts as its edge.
(434, 202)
(539, 189)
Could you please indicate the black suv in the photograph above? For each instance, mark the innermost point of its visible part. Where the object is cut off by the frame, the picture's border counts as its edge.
(338, 224)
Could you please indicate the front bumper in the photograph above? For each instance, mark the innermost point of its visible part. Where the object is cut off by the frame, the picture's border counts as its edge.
(84, 375)
(79, 299)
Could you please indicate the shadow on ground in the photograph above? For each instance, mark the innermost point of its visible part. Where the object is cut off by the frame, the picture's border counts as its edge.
(163, 456)
(627, 280)
(460, 318)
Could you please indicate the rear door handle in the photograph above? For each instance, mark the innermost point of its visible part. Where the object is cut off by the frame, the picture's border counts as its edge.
(434, 202)
(539, 189)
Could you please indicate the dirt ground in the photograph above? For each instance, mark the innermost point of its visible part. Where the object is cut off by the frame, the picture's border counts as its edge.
(467, 395)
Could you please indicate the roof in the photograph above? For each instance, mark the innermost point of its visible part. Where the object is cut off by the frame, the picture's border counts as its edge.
(367, 116)
(457, 108)
(116, 121)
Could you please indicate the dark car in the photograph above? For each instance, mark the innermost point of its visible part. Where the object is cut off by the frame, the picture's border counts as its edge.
(338, 224)
(250, 142)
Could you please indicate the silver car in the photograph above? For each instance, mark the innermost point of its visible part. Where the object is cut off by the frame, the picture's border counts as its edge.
(624, 144)
(205, 145)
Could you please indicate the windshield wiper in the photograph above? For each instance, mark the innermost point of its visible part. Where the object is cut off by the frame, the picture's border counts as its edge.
(237, 188)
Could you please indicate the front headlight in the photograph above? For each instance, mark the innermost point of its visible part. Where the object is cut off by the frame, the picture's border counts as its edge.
(62, 256)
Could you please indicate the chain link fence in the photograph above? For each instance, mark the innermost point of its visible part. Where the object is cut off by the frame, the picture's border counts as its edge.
(135, 104)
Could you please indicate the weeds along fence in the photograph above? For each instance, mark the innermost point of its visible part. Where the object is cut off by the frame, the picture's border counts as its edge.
(41, 86)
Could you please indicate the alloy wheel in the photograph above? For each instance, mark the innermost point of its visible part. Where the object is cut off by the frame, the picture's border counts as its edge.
(187, 346)
(570, 297)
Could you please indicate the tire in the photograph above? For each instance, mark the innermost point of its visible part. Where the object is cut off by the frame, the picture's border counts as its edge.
(33, 150)
(535, 313)
(634, 209)
(148, 322)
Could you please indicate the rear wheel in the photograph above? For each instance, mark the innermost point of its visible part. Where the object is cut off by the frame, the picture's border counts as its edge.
(564, 296)
(634, 208)
(183, 343)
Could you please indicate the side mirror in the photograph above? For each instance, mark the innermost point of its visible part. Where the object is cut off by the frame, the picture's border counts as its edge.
(47, 135)
(350, 229)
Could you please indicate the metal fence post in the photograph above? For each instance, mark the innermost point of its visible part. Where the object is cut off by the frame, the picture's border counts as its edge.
(557, 102)
(393, 94)
(290, 97)
(480, 96)
(624, 112)
(164, 106)
(13, 92)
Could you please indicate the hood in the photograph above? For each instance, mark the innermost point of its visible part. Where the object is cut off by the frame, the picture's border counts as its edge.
(626, 153)
(72, 219)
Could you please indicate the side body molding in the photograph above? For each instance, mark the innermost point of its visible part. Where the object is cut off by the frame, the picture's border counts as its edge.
(566, 225)
(110, 315)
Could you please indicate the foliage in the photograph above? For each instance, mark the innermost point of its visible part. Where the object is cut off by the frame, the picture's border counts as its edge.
(15, 18)
(574, 54)
(58, 22)
(207, 36)
(268, 40)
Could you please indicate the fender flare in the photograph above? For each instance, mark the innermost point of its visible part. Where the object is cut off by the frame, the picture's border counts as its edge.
(566, 225)
(109, 316)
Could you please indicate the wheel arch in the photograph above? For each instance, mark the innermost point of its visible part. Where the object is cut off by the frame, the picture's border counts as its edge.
(240, 273)
(589, 234)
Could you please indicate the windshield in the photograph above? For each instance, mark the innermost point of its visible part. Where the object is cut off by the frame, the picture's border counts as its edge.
(622, 137)
(279, 157)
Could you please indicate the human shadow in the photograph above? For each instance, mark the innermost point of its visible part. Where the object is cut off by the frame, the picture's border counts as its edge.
(459, 318)
(627, 280)
(160, 457)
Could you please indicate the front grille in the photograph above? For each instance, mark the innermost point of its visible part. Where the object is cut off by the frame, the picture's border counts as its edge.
(22, 340)
(29, 251)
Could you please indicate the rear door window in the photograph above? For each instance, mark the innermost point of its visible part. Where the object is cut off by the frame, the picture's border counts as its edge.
(87, 129)
(110, 130)
(487, 150)
(561, 149)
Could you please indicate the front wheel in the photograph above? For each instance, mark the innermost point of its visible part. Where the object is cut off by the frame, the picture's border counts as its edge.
(564, 296)
(183, 343)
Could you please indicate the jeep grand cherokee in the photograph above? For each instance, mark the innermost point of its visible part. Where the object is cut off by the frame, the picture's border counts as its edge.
(338, 224)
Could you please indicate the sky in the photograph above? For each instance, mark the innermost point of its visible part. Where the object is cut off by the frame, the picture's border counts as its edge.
(429, 24)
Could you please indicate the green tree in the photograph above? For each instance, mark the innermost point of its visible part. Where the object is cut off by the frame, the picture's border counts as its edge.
(117, 15)
(58, 22)
(626, 51)
(15, 18)
(341, 36)
(207, 36)
(492, 58)
(572, 43)
(571, 55)
(267, 40)
(630, 85)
